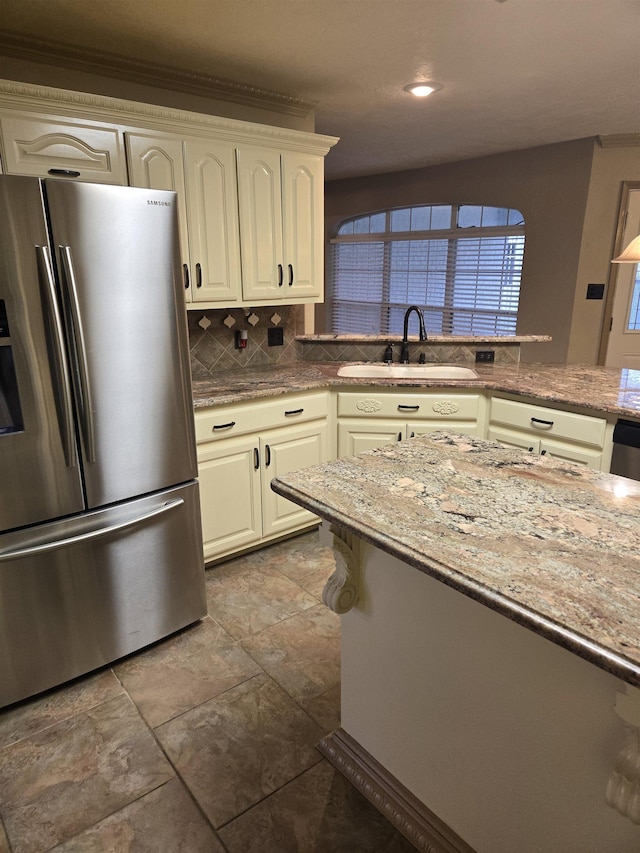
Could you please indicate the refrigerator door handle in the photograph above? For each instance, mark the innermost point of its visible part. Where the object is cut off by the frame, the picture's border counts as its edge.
(61, 365)
(80, 350)
(55, 544)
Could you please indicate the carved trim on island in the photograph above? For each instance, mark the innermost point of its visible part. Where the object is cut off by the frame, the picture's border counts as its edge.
(398, 805)
(623, 787)
(340, 592)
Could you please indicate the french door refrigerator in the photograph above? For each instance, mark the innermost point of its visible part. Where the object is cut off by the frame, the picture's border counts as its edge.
(100, 541)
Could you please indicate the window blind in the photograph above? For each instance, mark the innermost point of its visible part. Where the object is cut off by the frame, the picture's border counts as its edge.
(467, 281)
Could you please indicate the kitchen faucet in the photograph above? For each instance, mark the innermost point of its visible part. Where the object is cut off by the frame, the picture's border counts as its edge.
(404, 352)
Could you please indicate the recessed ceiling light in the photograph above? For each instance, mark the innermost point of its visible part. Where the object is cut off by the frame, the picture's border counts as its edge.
(421, 90)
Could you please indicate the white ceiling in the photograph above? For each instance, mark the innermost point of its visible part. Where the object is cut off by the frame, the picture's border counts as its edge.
(516, 73)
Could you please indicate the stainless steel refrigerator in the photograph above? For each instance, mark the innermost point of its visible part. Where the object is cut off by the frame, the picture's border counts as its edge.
(100, 540)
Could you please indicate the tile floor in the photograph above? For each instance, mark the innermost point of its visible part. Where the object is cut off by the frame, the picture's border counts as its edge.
(203, 742)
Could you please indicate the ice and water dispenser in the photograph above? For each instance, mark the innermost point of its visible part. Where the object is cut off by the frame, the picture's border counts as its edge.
(10, 413)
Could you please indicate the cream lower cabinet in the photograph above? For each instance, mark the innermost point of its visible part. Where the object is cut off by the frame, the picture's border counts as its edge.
(238, 507)
(203, 174)
(550, 432)
(375, 417)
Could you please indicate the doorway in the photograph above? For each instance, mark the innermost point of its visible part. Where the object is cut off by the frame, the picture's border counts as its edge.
(621, 335)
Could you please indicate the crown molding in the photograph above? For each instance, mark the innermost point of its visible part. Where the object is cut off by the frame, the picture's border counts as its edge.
(149, 74)
(30, 98)
(620, 140)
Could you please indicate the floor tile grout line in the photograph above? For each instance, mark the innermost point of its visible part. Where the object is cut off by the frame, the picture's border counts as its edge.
(321, 759)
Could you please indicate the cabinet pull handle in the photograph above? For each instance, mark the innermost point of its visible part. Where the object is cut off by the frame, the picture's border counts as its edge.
(256, 458)
(185, 269)
(290, 274)
(531, 450)
(542, 452)
(67, 173)
(198, 275)
(413, 435)
(224, 426)
(280, 279)
(268, 455)
(294, 412)
(539, 421)
(399, 436)
(407, 408)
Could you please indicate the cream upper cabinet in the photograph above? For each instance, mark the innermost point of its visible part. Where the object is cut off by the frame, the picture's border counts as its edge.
(48, 146)
(202, 173)
(281, 209)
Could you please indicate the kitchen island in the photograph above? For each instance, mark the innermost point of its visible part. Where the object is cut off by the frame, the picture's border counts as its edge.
(491, 605)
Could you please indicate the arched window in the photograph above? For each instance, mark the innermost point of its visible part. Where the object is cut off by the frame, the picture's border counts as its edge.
(460, 263)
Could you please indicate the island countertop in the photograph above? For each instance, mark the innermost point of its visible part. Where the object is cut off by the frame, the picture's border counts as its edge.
(550, 545)
(599, 389)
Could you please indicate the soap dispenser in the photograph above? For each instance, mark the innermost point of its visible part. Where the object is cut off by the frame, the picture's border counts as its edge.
(388, 354)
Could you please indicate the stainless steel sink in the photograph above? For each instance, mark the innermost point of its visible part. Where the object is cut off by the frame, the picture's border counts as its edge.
(407, 371)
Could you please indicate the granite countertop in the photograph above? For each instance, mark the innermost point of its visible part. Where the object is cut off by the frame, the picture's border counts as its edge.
(601, 389)
(550, 545)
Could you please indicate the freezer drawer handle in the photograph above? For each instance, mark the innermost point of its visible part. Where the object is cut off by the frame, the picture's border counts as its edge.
(56, 544)
(224, 426)
(46, 274)
(80, 349)
(541, 422)
(65, 173)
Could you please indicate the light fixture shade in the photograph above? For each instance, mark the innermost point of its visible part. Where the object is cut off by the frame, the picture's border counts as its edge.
(631, 255)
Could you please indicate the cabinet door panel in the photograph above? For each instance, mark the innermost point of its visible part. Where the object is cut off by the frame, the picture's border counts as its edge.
(463, 427)
(156, 162)
(42, 147)
(514, 439)
(571, 453)
(229, 496)
(212, 212)
(356, 436)
(260, 207)
(303, 210)
(284, 451)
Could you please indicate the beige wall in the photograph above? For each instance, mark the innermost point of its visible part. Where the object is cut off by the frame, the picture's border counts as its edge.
(80, 81)
(550, 185)
(611, 167)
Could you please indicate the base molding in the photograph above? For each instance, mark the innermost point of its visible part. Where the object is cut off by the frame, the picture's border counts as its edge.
(400, 807)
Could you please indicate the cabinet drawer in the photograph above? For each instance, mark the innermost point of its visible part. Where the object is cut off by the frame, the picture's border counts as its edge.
(224, 421)
(45, 147)
(542, 422)
(439, 406)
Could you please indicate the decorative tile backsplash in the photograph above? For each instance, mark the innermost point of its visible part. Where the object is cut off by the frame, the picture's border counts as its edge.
(212, 337)
(505, 353)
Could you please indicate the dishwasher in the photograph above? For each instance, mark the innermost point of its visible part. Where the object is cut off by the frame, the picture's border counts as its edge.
(625, 459)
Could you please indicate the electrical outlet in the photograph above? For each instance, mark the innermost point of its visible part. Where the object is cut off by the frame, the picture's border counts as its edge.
(485, 355)
(275, 337)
